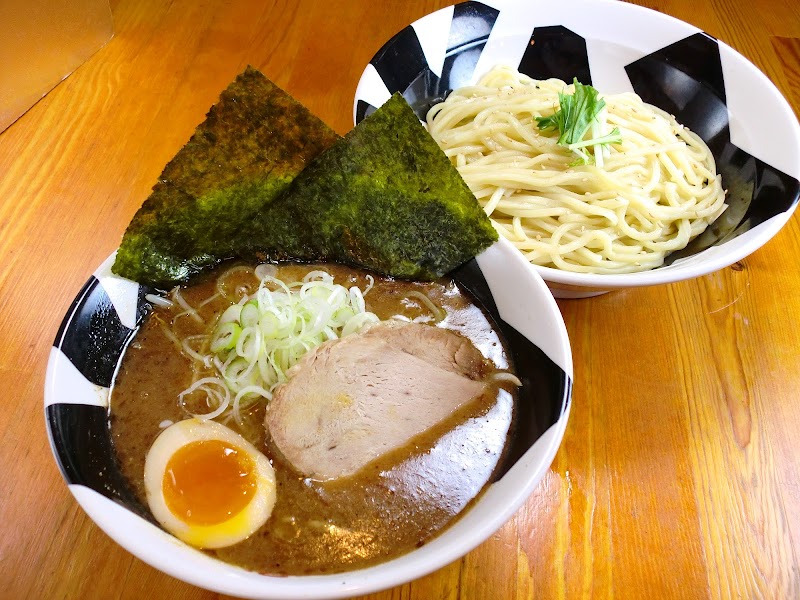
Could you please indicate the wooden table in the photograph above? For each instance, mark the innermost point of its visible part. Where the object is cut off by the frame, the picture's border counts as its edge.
(678, 473)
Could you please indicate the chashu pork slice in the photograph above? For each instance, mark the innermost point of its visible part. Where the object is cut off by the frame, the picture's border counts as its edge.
(352, 400)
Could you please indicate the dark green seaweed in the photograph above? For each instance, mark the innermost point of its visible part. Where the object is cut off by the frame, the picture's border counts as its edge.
(384, 197)
(254, 141)
(257, 181)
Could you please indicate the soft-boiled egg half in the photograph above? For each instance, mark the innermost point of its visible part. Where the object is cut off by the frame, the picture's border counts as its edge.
(207, 485)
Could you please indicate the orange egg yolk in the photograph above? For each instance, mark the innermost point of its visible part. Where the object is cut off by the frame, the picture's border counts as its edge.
(207, 482)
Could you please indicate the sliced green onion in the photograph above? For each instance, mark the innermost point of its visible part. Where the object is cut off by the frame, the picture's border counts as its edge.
(259, 339)
(358, 322)
(232, 313)
(250, 314)
(225, 336)
(222, 397)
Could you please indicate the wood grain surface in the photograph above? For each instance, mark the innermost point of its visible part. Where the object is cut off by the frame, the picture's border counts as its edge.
(678, 475)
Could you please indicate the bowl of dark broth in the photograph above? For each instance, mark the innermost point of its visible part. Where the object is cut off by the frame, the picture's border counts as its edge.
(379, 457)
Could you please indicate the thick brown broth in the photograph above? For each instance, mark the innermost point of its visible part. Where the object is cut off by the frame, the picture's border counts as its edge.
(395, 504)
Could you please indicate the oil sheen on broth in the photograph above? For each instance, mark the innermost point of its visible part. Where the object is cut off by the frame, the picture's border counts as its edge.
(396, 503)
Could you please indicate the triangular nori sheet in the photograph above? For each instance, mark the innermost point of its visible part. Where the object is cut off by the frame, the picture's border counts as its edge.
(254, 141)
(385, 197)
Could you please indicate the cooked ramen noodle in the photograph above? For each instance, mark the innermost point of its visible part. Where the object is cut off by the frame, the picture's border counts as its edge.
(642, 198)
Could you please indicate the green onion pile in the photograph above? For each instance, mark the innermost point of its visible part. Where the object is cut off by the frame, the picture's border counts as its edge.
(257, 340)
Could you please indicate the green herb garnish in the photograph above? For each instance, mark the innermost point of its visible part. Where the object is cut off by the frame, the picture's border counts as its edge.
(577, 113)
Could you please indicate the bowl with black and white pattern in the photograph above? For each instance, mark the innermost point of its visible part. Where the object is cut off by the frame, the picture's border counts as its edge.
(104, 318)
(617, 47)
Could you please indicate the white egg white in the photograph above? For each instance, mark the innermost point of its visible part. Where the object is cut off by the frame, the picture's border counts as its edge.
(238, 526)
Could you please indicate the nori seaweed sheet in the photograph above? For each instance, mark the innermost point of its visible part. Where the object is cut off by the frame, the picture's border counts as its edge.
(254, 141)
(384, 197)
(248, 184)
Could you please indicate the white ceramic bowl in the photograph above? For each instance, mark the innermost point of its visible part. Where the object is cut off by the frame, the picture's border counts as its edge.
(103, 318)
(617, 47)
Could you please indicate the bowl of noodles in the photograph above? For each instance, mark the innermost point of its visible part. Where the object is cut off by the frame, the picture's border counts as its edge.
(614, 146)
